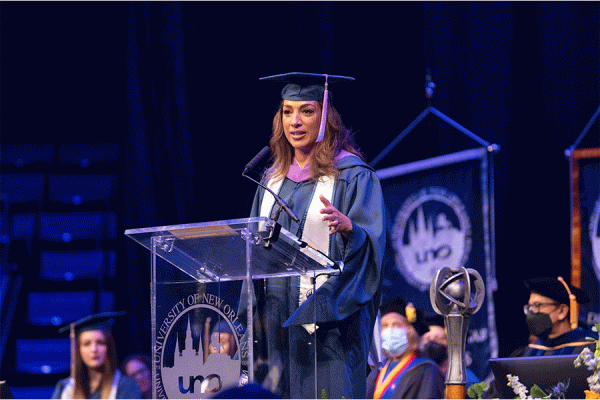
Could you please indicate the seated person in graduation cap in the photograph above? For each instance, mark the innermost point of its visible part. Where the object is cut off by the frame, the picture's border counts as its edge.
(405, 375)
(552, 316)
(434, 345)
(94, 373)
(321, 175)
(139, 367)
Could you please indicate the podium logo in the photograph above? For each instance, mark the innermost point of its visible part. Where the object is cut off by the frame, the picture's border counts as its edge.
(595, 237)
(432, 230)
(186, 367)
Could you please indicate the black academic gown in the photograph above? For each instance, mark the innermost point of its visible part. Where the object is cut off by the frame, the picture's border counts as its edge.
(572, 342)
(346, 304)
(422, 381)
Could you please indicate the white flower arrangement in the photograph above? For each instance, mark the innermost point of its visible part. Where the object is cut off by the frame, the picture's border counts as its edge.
(519, 389)
(592, 362)
(586, 357)
(557, 392)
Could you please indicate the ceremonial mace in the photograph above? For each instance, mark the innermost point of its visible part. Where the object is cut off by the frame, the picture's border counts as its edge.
(456, 294)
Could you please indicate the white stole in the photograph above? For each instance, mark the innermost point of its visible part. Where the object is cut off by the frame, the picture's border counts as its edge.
(67, 392)
(315, 232)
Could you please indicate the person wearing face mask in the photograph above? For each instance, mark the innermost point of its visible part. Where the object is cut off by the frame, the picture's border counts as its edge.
(551, 315)
(434, 345)
(404, 374)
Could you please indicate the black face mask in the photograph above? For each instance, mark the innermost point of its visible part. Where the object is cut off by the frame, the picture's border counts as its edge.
(435, 351)
(539, 324)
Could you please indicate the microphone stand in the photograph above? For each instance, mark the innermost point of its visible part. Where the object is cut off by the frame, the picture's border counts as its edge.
(273, 227)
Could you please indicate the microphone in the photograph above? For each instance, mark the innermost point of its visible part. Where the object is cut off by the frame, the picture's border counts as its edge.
(280, 203)
(262, 154)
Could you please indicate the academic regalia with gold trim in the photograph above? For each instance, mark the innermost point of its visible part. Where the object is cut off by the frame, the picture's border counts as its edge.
(422, 379)
(571, 342)
(405, 375)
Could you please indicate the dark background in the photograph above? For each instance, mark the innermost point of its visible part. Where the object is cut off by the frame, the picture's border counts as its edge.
(175, 85)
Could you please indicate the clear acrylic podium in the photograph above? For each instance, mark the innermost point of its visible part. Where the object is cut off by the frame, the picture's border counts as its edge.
(200, 302)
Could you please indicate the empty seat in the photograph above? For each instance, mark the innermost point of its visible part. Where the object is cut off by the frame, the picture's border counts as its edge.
(32, 392)
(42, 356)
(20, 155)
(71, 265)
(87, 154)
(21, 188)
(78, 189)
(57, 308)
(65, 227)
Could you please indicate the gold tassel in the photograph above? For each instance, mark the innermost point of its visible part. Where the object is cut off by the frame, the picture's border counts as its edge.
(573, 309)
(411, 313)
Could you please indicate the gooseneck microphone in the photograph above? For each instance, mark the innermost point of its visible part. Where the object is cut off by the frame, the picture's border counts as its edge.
(281, 205)
(261, 154)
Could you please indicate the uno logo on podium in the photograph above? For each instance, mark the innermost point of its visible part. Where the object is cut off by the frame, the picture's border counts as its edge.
(183, 369)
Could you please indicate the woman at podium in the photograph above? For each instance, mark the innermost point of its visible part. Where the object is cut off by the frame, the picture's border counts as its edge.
(319, 172)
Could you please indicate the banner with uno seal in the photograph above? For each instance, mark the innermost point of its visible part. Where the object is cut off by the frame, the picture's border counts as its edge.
(441, 215)
(198, 340)
(586, 177)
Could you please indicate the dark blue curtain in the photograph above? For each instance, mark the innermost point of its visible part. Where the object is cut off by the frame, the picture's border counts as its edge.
(176, 85)
(523, 75)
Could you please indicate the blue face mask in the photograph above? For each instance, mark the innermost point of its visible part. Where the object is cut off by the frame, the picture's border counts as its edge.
(394, 341)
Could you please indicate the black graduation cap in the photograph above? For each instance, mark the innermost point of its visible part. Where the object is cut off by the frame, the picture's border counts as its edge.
(303, 86)
(94, 322)
(413, 316)
(556, 290)
(559, 290)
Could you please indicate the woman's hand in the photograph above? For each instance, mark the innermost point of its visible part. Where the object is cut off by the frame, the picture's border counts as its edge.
(337, 222)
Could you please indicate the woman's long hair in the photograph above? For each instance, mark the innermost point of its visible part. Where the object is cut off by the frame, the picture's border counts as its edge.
(82, 378)
(322, 160)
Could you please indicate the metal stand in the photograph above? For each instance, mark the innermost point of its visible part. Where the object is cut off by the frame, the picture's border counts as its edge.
(491, 147)
(429, 86)
(569, 151)
(574, 155)
(456, 294)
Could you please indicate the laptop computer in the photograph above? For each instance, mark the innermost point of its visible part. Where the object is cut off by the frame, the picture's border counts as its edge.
(546, 372)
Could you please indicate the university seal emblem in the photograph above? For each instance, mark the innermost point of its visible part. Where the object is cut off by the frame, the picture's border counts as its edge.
(185, 369)
(432, 230)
